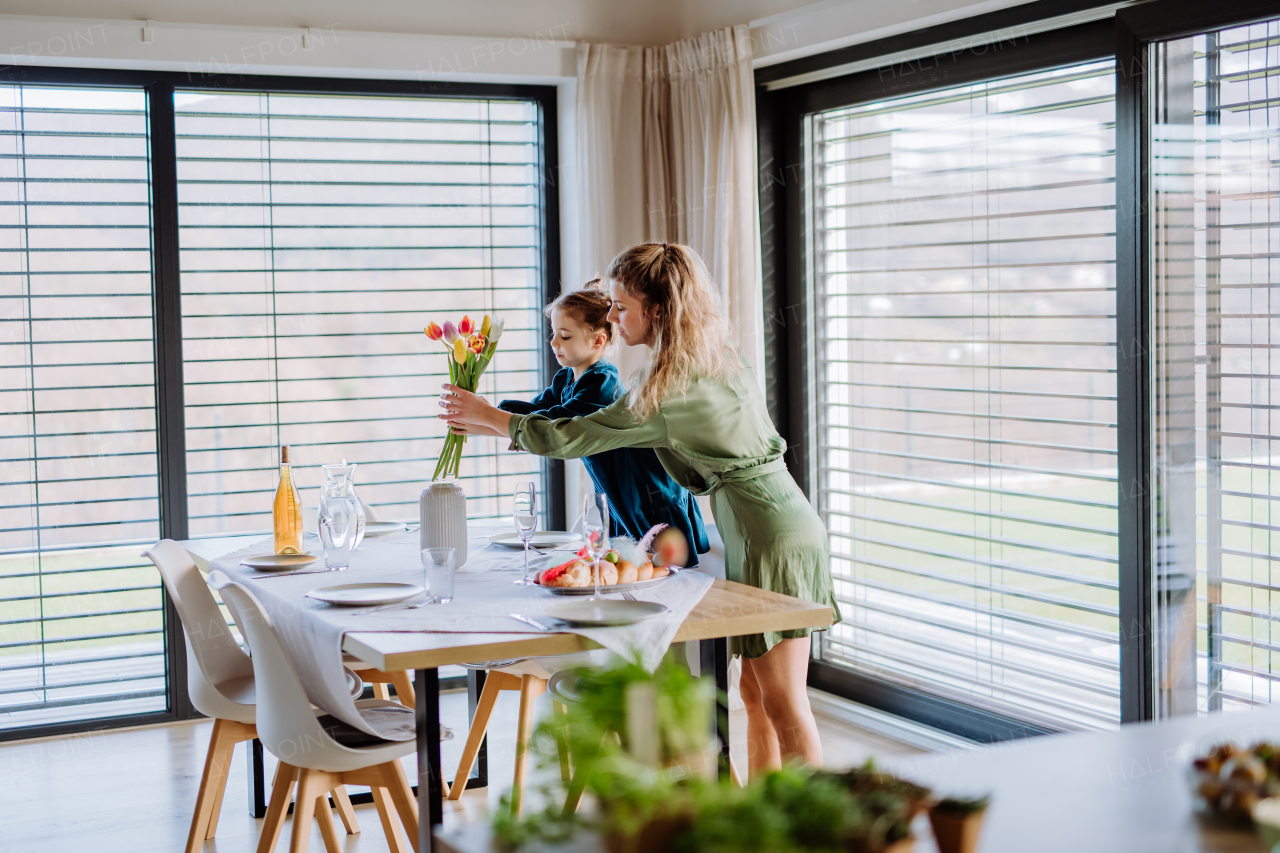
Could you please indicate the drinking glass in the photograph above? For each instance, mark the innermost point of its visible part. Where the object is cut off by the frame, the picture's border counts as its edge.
(440, 564)
(595, 524)
(524, 509)
(337, 533)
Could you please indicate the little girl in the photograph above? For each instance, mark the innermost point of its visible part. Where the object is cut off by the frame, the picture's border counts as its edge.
(641, 492)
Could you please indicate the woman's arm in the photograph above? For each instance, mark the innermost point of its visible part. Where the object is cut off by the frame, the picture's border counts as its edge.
(567, 438)
(610, 428)
(471, 414)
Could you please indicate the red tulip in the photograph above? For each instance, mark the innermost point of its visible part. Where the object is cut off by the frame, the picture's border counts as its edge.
(434, 332)
(476, 343)
(466, 327)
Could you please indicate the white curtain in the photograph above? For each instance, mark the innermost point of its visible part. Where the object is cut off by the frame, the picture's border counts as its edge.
(666, 150)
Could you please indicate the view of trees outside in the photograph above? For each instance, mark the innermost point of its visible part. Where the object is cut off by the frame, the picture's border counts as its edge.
(964, 280)
(318, 235)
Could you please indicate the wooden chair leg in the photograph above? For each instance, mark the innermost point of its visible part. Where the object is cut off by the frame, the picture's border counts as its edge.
(279, 804)
(561, 712)
(328, 831)
(531, 687)
(390, 826)
(484, 710)
(345, 810)
(734, 776)
(212, 781)
(380, 690)
(402, 795)
(235, 733)
(578, 783)
(404, 688)
(304, 809)
(573, 793)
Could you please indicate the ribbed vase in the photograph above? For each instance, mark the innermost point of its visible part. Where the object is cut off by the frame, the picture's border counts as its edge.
(443, 511)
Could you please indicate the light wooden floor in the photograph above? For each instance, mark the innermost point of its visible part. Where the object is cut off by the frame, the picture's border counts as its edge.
(133, 790)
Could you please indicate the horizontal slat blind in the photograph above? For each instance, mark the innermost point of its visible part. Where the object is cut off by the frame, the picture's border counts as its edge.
(1216, 175)
(963, 278)
(80, 617)
(319, 235)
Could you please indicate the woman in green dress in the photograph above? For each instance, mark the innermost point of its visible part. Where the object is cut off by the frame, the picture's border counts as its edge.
(697, 404)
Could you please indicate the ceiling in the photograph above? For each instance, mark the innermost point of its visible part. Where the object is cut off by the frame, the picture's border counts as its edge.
(649, 22)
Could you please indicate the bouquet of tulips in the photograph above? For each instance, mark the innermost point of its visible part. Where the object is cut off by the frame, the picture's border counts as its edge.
(470, 351)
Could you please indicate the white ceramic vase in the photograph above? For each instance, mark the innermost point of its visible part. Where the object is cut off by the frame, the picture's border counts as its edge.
(443, 512)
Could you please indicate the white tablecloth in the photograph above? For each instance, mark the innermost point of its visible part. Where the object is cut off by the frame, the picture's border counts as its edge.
(484, 597)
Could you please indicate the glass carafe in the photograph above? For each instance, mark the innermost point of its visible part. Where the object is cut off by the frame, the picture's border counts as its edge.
(338, 484)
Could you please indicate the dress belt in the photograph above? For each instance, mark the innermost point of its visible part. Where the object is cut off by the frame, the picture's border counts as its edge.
(716, 481)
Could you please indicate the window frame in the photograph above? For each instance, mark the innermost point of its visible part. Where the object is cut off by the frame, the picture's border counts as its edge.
(159, 87)
(788, 305)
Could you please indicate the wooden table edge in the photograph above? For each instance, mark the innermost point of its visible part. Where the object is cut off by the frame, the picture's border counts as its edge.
(471, 648)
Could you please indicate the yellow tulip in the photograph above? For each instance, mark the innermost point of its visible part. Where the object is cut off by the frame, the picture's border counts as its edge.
(484, 327)
(460, 351)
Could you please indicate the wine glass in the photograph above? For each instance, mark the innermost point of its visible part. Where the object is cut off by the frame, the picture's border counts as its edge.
(524, 509)
(595, 524)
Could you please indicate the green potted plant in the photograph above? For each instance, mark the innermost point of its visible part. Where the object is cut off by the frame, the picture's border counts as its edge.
(956, 823)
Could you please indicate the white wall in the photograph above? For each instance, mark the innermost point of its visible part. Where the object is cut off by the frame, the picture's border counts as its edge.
(649, 22)
(832, 24)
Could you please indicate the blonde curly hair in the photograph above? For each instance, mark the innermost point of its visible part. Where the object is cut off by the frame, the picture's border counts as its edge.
(691, 335)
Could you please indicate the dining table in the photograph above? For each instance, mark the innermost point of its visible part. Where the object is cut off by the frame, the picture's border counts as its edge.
(725, 609)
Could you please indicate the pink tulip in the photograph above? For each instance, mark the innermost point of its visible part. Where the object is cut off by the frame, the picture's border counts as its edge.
(450, 333)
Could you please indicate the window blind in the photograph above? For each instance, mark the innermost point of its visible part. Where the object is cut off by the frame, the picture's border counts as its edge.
(80, 610)
(319, 235)
(1215, 146)
(961, 247)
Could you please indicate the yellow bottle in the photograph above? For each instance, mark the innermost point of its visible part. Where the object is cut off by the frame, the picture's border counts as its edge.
(286, 515)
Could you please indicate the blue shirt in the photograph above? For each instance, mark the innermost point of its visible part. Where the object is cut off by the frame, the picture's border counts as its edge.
(641, 492)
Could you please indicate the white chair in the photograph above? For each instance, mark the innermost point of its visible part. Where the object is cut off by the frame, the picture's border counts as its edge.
(309, 753)
(220, 683)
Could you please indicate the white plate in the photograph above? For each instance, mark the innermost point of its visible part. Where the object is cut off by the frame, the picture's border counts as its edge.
(382, 528)
(605, 612)
(361, 594)
(563, 685)
(278, 562)
(541, 539)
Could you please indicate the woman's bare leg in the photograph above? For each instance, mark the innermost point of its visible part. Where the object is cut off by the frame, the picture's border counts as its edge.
(762, 741)
(779, 681)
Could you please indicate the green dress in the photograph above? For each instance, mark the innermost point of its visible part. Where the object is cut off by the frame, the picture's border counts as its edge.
(716, 439)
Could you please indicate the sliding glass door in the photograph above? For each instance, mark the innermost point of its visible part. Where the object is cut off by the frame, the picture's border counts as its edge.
(961, 271)
(80, 610)
(1214, 127)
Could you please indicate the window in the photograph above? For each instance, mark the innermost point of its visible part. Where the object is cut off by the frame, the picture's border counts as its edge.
(319, 234)
(1215, 146)
(80, 610)
(961, 254)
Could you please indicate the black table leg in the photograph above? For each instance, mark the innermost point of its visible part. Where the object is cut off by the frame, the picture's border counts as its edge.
(714, 658)
(257, 779)
(430, 809)
(479, 777)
